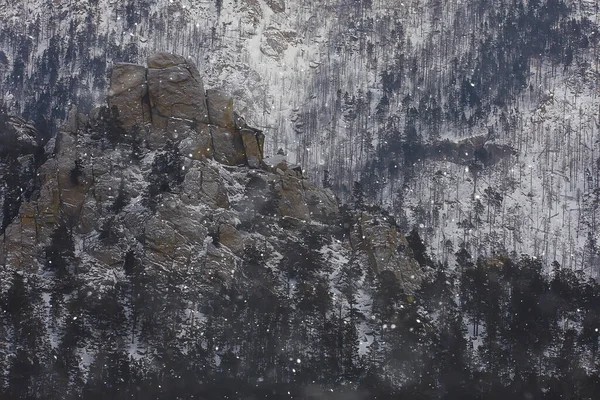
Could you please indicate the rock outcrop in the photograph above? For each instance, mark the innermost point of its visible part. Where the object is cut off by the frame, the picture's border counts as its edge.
(167, 101)
(276, 5)
(128, 93)
(220, 109)
(199, 202)
(386, 250)
(176, 94)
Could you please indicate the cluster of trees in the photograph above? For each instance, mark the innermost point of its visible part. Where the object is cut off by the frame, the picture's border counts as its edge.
(18, 162)
(485, 330)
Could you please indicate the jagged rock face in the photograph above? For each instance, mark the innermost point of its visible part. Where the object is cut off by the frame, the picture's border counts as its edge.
(199, 201)
(292, 203)
(220, 109)
(168, 100)
(128, 91)
(203, 185)
(385, 249)
(253, 148)
(198, 145)
(19, 146)
(321, 203)
(17, 136)
(209, 199)
(180, 229)
(228, 146)
(381, 243)
(176, 89)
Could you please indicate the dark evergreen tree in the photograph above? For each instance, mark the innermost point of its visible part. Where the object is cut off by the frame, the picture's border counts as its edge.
(358, 196)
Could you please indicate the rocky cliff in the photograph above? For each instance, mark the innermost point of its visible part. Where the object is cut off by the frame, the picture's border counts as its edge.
(169, 172)
(163, 205)
(349, 89)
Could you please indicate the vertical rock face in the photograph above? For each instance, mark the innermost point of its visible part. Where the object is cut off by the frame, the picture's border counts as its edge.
(385, 249)
(177, 98)
(177, 92)
(128, 89)
(199, 144)
(228, 146)
(59, 201)
(168, 99)
(251, 144)
(220, 108)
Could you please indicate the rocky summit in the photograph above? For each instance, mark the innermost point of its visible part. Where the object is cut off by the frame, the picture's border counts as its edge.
(167, 101)
(158, 119)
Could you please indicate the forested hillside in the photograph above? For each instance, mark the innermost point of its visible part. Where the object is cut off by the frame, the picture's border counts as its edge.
(337, 199)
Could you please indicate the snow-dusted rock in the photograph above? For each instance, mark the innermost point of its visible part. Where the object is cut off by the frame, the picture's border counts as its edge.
(203, 185)
(162, 60)
(204, 125)
(128, 88)
(274, 43)
(198, 145)
(228, 146)
(276, 5)
(220, 108)
(251, 148)
(177, 91)
(232, 238)
(187, 220)
(292, 203)
(385, 248)
(321, 203)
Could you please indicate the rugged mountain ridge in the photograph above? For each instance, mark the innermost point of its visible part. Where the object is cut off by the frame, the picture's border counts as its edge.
(169, 96)
(81, 177)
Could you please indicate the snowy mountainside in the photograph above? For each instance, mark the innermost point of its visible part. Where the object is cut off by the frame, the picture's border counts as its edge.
(347, 88)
